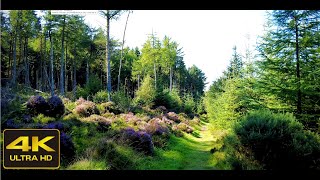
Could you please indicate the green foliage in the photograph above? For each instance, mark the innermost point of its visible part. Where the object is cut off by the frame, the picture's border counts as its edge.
(90, 89)
(100, 97)
(189, 105)
(170, 99)
(43, 119)
(279, 141)
(146, 94)
(88, 164)
(122, 101)
(222, 107)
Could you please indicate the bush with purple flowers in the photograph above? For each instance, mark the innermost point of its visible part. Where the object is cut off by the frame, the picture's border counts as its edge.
(156, 127)
(173, 116)
(10, 124)
(67, 148)
(139, 140)
(55, 125)
(85, 108)
(37, 105)
(103, 123)
(56, 107)
(26, 118)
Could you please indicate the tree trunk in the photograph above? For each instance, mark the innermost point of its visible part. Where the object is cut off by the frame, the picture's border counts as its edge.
(66, 72)
(14, 74)
(27, 65)
(10, 52)
(170, 78)
(74, 88)
(62, 65)
(108, 57)
(51, 66)
(121, 56)
(299, 107)
(138, 81)
(87, 68)
(45, 83)
(155, 75)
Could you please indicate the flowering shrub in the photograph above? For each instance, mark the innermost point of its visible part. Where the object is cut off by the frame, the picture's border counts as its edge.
(37, 105)
(140, 140)
(67, 148)
(26, 118)
(56, 107)
(103, 123)
(85, 108)
(10, 124)
(184, 127)
(55, 125)
(173, 116)
(156, 127)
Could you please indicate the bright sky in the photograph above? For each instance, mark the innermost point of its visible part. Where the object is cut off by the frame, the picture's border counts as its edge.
(207, 37)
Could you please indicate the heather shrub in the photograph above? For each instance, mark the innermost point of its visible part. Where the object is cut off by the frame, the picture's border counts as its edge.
(55, 125)
(156, 127)
(279, 141)
(103, 123)
(85, 108)
(141, 141)
(176, 131)
(37, 105)
(10, 124)
(56, 107)
(185, 127)
(173, 116)
(67, 147)
(26, 118)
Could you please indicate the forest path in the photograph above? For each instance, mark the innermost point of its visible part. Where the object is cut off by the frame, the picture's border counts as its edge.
(190, 152)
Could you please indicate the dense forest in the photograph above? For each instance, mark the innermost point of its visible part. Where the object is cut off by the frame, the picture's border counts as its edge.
(120, 107)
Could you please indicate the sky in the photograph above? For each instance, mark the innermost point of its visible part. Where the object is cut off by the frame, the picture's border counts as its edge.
(206, 36)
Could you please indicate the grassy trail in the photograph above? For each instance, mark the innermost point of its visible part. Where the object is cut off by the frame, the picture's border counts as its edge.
(186, 153)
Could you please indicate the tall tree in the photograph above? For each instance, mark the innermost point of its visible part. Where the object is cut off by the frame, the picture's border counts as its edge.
(109, 15)
(287, 59)
(124, 33)
(62, 64)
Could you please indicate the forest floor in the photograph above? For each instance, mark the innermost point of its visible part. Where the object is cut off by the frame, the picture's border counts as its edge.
(187, 153)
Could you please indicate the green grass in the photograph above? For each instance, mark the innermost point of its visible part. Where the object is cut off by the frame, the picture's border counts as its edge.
(88, 164)
(183, 153)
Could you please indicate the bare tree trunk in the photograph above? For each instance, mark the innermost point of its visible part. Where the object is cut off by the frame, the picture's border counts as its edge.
(14, 74)
(51, 66)
(66, 72)
(87, 68)
(138, 81)
(62, 59)
(155, 75)
(170, 78)
(27, 71)
(299, 103)
(74, 89)
(10, 52)
(108, 57)
(121, 56)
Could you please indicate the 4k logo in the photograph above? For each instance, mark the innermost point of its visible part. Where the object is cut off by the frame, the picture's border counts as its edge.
(31, 149)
